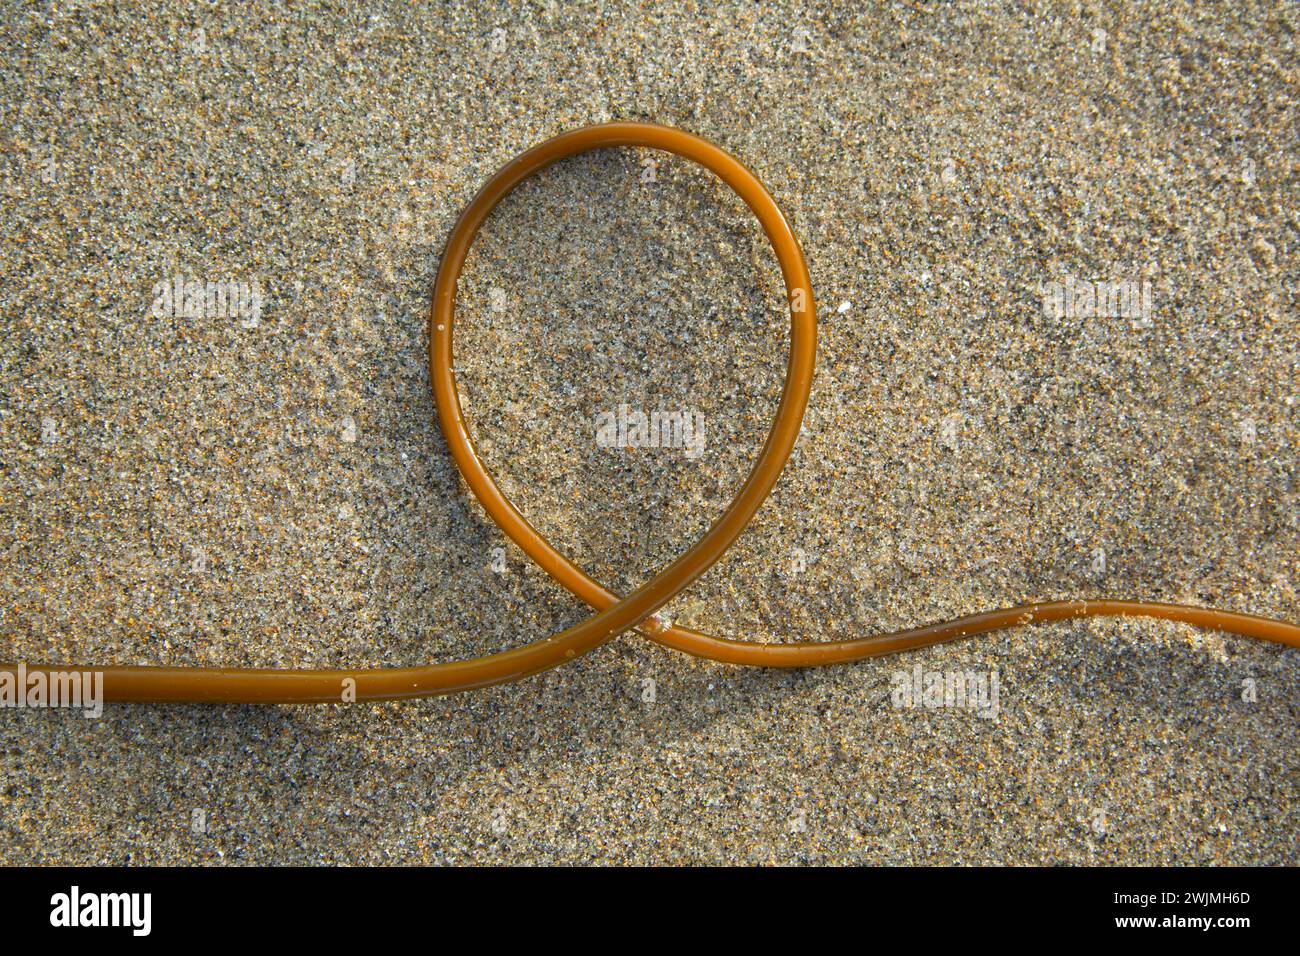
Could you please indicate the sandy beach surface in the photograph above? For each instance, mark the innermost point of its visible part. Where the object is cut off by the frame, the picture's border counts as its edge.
(271, 488)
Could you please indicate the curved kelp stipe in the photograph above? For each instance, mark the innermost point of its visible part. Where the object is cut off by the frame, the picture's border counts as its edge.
(617, 614)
